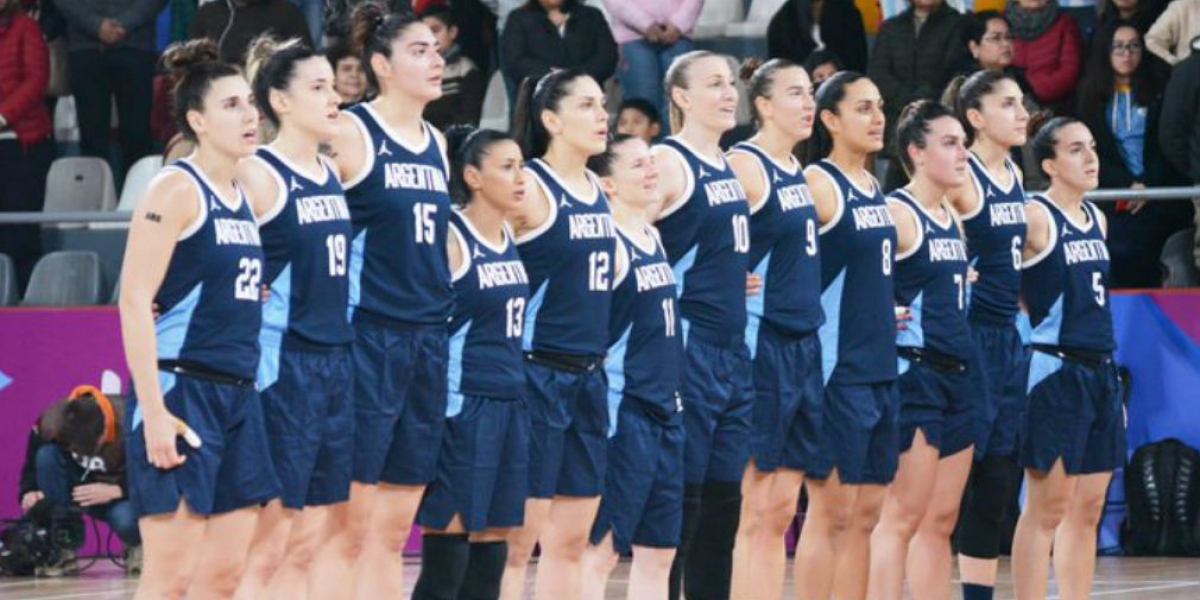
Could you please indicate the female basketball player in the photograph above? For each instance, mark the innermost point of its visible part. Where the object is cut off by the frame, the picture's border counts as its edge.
(991, 207)
(1075, 426)
(394, 167)
(305, 371)
(642, 506)
(782, 321)
(194, 251)
(859, 441)
(483, 471)
(565, 236)
(940, 390)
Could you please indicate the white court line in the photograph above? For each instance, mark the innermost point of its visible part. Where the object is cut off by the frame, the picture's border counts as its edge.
(119, 593)
(1134, 590)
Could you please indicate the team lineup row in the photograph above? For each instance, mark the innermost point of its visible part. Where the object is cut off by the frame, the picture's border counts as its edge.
(560, 338)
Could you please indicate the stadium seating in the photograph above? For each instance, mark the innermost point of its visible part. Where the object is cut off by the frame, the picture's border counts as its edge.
(715, 18)
(1178, 262)
(495, 105)
(137, 180)
(8, 281)
(757, 19)
(66, 278)
(79, 184)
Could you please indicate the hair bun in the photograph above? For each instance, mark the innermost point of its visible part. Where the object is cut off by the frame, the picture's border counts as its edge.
(1038, 120)
(182, 57)
(456, 138)
(749, 66)
(365, 20)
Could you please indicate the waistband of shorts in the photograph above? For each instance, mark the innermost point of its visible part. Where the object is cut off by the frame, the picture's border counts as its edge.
(292, 341)
(369, 318)
(191, 369)
(562, 361)
(720, 339)
(1087, 358)
(780, 333)
(937, 360)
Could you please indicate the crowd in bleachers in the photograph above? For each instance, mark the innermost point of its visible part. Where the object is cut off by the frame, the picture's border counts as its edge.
(1125, 67)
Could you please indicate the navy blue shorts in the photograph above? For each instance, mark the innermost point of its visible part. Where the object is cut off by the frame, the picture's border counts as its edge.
(568, 429)
(308, 409)
(483, 469)
(230, 470)
(1005, 361)
(399, 400)
(788, 400)
(1075, 414)
(718, 401)
(861, 436)
(643, 495)
(946, 406)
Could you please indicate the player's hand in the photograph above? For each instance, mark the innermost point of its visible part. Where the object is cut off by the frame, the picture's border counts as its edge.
(972, 275)
(30, 499)
(161, 431)
(95, 494)
(903, 316)
(754, 284)
(266, 293)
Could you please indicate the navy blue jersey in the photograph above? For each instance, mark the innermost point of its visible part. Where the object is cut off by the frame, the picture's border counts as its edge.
(570, 262)
(210, 301)
(400, 206)
(707, 237)
(490, 291)
(857, 251)
(646, 354)
(931, 280)
(306, 238)
(1066, 285)
(783, 250)
(995, 239)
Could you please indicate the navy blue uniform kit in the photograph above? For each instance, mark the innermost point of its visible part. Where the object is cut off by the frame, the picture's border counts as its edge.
(939, 385)
(305, 375)
(995, 235)
(706, 234)
(1075, 411)
(782, 319)
(643, 494)
(570, 264)
(400, 303)
(207, 341)
(860, 437)
(483, 468)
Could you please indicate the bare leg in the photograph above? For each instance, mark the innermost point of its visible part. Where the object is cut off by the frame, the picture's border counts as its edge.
(854, 562)
(171, 551)
(650, 573)
(1075, 538)
(755, 488)
(930, 563)
(346, 531)
(821, 539)
(380, 569)
(905, 505)
(599, 561)
(1047, 497)
(223, 555)
(266, 550)
(564, 538)
(308, 533)
(769, 554)
(521, 542)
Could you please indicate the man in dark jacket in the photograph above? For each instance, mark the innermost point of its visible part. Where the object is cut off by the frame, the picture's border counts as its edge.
(1179, 132)
(839, 29)
(76, 456)
(250, 19)
(548, 34)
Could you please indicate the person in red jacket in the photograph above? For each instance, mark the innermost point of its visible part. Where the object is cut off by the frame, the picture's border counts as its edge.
(26, 147)
(1049, 46)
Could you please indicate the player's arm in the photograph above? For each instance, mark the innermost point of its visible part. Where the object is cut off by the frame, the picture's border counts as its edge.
(964, 198)
(1038, 233)
(672, 178)
(533, 212)
(906, 226)
(260, 186)
(825, 196)
(750, 174)
(349, 147)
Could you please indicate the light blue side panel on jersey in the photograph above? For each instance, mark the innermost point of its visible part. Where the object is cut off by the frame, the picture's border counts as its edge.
(614, 367)
(1024, 328)
(454, 370)
(1048, 331)
(276, 313)
(681, 268)
(1041, 366)
(913, 334)
(171, 329)
(357, 248)
(756, 305)
(970, 265)
(831, 303)
(531, 315)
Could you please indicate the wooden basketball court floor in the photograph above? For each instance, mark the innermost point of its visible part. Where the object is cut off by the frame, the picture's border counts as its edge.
(1116, 579)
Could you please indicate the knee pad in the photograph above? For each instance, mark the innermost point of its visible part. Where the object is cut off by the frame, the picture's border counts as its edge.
(993, 485)
(691, 518)
(444, 561)
(709, 567)
(484, 571)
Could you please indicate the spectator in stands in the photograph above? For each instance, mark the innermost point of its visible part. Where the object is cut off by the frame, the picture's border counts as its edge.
(1171, 35)
(1048, 45)
(1120, 104)
(349, 81)
(463, 82)
(821, 65)
(250, 19)
(651, 34)
(1139, 13)
(112, 55)
(313, 11)
(989, 43)
(639, 118)
(75, 455)
(548, 34)
(1180, 119)
(26, 148)
(912, 60)
(801, 27)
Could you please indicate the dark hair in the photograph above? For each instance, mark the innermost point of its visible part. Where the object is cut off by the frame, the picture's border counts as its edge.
(1099, 80)
(271, 65)
(339, 52)
(966, 93)
(1047, 127)
(912, 128)
(974, 25)
(829, 95)
(534, 97)
(372, 31)
(602, 164)
(82, 425)
(440, 12)
(193, 66)
(820, 57)
(567, 6)
(760, 80)
(1144, 13)
(641, 105)
(466, 146)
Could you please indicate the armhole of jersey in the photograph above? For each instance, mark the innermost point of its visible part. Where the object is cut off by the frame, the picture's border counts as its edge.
(437, 139)
(280, 198)
(1053, 241)
(368, 153)
(762, 169)
(201, 213)
(1098, 219)
(553, 216)
(465, 251)
(841, 201)
(979, 200)
(622, 260)
(689, 187)
(917, 223)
